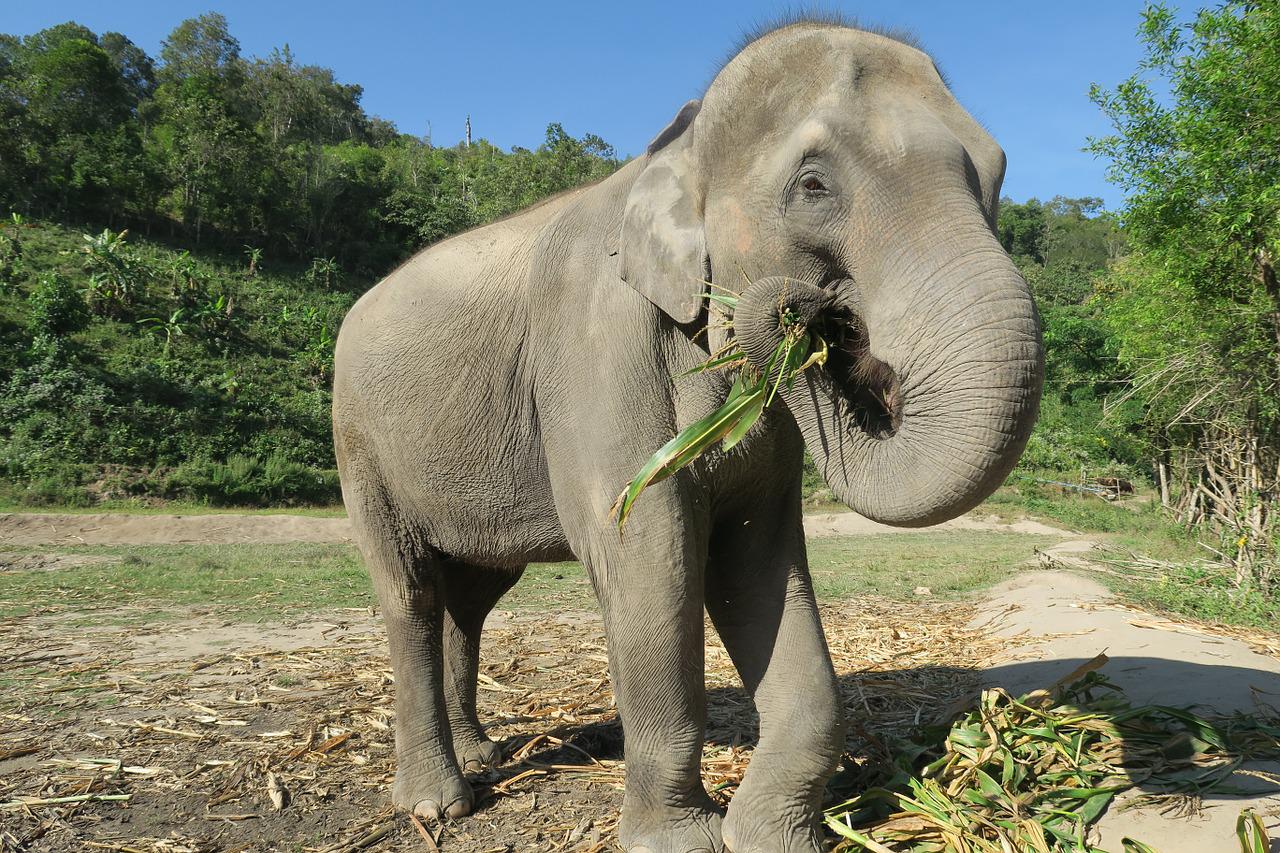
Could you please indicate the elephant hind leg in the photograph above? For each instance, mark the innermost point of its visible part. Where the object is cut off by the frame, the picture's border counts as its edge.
(408, 578)
(470, 594)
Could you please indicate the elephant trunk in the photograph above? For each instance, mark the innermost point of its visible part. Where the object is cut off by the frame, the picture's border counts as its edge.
(931, 386)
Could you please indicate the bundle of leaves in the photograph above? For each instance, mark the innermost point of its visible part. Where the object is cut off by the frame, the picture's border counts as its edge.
(753, 390)
(1035, 772)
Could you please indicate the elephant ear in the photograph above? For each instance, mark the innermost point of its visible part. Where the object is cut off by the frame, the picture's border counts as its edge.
(663, 248)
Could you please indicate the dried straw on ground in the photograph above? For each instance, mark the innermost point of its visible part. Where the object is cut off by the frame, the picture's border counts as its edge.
(106, 747)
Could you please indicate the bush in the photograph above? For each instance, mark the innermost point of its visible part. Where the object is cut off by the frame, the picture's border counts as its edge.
(52, 412)
(57, 307)
(248, 481)
(62, 487)
(11, 262)
(117, 274)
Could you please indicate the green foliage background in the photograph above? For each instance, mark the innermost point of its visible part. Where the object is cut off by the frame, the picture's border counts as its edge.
(1065, 249)
(1197, 305)
(186, 350)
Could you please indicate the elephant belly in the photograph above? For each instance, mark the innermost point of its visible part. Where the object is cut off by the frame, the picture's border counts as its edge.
(456, 453)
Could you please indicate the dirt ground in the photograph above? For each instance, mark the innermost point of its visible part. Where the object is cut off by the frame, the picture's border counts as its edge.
(176, 730)
(200, 734)
(28, 528)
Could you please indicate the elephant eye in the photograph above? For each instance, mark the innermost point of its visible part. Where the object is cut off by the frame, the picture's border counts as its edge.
(812, 185)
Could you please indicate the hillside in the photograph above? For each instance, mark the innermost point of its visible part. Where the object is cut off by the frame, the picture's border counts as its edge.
(179, 344)
(131, 368)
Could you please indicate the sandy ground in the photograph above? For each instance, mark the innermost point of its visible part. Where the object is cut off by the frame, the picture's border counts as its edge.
(30, 528)
(200, 714)
(227, 529)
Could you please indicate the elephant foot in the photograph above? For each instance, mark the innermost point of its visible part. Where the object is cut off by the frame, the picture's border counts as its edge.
(432, 794)
(689, 830)
(762, 827)
(477, 754)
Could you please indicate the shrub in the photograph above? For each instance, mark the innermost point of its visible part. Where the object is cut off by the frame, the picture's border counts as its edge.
(117, 275)
(324, 272)
(57, 307)
(51, 411)
(12, 268)
(248, 481)
(63, 487)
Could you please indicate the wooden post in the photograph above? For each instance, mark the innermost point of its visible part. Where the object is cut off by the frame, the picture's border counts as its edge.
(1162, 473)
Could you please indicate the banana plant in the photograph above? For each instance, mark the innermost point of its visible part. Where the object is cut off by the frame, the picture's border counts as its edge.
(173, 327)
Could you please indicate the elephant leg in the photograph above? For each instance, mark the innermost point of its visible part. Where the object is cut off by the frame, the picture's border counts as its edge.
(649, 584)
(471, 592)
(407, 579)
(655, 635)
(760, 598)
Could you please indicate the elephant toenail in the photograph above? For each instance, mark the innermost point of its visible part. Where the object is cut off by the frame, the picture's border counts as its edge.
(429, 809)
(458, 808)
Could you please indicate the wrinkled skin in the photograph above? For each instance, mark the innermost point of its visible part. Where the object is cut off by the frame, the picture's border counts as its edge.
(494, 394)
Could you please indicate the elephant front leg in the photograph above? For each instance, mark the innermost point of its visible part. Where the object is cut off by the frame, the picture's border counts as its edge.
(651, 594)
(761, 601)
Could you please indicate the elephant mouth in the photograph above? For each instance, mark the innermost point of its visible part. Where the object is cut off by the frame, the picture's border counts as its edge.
(868, 387)
(863, 392)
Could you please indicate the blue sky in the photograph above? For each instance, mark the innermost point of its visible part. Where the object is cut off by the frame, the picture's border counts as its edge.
(621, 70)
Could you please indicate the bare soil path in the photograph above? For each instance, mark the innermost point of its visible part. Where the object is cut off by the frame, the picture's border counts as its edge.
(30, 528)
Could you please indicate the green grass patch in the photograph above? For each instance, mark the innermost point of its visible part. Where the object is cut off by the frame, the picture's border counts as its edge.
(1021, 498)
(1135, 523)
(1199, 590)
(253, 582)
(949, 563)
(247, 582)
(239, 581)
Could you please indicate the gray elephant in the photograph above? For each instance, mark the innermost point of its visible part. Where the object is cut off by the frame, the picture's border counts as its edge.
(494, 394)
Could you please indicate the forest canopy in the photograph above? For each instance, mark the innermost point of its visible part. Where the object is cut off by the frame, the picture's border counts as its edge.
(206, 146)
(183, 235)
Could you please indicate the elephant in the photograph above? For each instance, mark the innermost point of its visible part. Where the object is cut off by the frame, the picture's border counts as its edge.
(494, 394)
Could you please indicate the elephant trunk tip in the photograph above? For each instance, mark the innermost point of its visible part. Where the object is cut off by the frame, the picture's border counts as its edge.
(869, 386)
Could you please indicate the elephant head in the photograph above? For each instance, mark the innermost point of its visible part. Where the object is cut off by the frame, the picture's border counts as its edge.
(833, 168)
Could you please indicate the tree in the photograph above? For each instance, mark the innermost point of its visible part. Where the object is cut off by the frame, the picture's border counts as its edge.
(1080, 233)
(206, 151)
(137, 71)
(200, 47)
(1022, 229)
(14, 186)
(76, 109)
(296, 103)
(218, 148)
(1196, 309)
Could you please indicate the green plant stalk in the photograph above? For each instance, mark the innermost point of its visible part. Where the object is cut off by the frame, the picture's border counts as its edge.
(733, 420)
(1252, 833)
(1060, 765)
